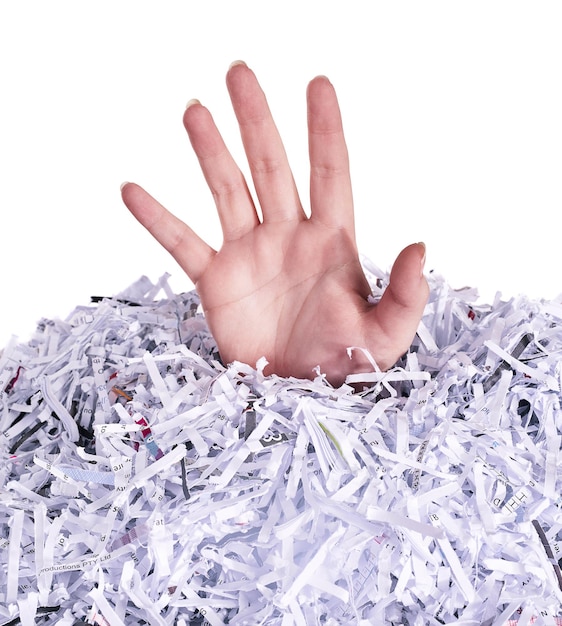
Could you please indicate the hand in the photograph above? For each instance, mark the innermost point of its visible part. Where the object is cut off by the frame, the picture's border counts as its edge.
(287, 287)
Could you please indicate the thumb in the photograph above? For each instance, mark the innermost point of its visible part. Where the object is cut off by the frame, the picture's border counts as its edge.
(399, 311)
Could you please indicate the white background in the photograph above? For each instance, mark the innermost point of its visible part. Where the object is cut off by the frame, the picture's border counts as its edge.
(452, 110)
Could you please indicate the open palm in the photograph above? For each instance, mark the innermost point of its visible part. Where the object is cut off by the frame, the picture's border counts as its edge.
(288, 287)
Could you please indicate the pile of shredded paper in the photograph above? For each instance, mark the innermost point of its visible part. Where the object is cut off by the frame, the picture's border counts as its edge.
(144, 482)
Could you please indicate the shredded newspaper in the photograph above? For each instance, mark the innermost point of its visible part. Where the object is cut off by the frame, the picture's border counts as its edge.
(145, 482)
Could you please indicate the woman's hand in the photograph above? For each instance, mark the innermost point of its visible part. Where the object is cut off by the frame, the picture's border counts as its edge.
(287, 287)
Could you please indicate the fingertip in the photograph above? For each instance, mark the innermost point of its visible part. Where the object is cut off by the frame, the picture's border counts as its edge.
(237, 68)
(407, 281)
(195, 114)
(191, 103)
(193, 107)
(321, 79)
(128, 190)
(412, 260)
(236, 63)
(138, 201)
(125, 189)
(324, 114)
(414, 252)
(319, 84)
(241, 80)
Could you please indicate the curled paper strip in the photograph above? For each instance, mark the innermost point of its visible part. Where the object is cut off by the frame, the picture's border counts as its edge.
(144, 482)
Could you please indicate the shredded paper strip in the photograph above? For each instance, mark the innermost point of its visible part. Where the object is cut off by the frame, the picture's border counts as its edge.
(144, 482)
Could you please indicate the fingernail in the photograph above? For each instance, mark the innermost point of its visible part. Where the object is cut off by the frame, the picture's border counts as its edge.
(191, 103)
(422, 261)
(234, 63)
(123, 185)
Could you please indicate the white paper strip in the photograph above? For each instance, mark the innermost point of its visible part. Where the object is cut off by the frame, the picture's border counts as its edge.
(144, 481)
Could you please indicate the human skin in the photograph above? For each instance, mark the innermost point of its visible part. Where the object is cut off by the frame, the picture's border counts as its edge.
(285, 285)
